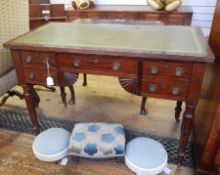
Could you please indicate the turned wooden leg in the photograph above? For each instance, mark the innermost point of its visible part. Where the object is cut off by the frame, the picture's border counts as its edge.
(72, 93)
(143, 109)
(29, 99)
(63, 95)
(178, 110)
(185, 131)
(36, 97)
(84, 80)
(11, 93)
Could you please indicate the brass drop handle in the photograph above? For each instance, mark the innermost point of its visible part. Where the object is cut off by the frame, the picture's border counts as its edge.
(179, 71)
(116, 66)
(46, 60)
(175, 91)
(31, 76)
(96, 61)
(76, 63)
(152, 87)
(154, 70)
(29, 59)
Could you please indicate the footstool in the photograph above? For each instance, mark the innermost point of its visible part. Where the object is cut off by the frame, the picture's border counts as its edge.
(97, 140)
(51, 145)
(145, 156)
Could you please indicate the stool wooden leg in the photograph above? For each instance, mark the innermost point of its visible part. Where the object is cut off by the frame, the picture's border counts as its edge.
(84, 80)
(72, 92)
(178, 110)
(143, 109)
(63, 95)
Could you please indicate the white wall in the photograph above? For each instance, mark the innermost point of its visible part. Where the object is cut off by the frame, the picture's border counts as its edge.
(203, 10)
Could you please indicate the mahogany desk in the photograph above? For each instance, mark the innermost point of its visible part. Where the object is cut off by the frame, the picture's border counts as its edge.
(155, 61)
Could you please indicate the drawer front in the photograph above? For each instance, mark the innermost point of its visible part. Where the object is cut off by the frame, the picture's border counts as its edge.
(38, 76)
(150, 16)
(37, 58)
(96, 65)
(176, 19)
(165, 69)
(164, 89)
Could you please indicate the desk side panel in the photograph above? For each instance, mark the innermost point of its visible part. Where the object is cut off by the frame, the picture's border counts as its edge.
(18, 66)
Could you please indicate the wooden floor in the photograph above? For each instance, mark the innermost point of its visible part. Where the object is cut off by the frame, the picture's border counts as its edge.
(102, 100)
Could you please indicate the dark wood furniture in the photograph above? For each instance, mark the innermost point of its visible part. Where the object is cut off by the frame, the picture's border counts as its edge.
(138, 54)
(207, 120)
(40, 14)
(182, 16)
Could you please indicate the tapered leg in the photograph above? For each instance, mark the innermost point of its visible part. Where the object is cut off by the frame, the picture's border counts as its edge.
(29, 99)
(143, 109)
(84, 80)
(63, 95)
(178, 110)
(72, 93)
(185, 131)
(35, 96)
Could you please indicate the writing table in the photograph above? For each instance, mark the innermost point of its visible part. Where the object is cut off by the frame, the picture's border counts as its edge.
(165, 62)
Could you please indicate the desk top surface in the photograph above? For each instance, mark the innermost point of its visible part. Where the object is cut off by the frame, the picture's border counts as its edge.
(146, 41)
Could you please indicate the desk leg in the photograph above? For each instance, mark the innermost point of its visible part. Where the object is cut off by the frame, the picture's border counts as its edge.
(30, 103)
(84, 79)
(178, 110)
(63, 95)
(35, 96)
(72, 93)
(185, 131)
(143, 103)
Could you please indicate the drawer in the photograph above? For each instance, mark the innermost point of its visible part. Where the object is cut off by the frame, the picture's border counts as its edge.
(97, 65)
(39, 76)
(149, 16)
(37, 58)
(164, 89)
(167, 69)
(176, 19)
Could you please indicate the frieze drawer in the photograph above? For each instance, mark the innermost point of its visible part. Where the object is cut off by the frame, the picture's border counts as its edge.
(37, 58)
(164, 89)
(39, 76)
(167, 69)
(106, 65)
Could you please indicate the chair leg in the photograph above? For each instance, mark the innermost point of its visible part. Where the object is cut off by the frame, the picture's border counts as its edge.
(178, 110)
(11, 93)
(84, 80)
(72, 93)
(53, 89)
(63, 95)
(143, 109)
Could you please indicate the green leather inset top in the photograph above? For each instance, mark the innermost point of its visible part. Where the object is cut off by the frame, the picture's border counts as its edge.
(124, 37)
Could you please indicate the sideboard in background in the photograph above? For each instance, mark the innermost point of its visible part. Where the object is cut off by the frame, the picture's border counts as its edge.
(57, 12)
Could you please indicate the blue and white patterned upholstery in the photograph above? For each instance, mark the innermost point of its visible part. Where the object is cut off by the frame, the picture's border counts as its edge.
(97, 140)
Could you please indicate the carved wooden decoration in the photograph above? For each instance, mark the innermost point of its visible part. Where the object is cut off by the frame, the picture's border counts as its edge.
(68, 78)
(130, 85)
